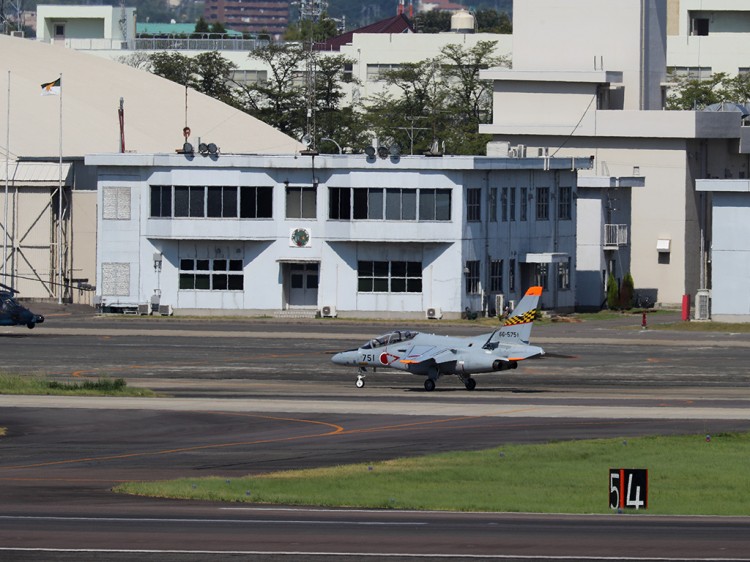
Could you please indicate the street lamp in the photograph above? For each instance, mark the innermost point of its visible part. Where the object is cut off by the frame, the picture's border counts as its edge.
(333, 141)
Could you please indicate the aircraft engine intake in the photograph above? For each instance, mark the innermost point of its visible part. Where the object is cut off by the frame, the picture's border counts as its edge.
(487, 364)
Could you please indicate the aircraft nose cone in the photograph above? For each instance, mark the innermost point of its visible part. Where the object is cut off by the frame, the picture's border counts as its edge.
(344, 358)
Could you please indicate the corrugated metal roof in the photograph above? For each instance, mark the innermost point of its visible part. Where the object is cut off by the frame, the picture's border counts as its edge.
(35, 173)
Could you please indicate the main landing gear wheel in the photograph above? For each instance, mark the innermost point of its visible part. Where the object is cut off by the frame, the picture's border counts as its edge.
(360, 382)
(470, 384)
(429, 385)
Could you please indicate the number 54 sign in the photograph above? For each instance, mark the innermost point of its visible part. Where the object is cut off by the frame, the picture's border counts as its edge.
(628, 488)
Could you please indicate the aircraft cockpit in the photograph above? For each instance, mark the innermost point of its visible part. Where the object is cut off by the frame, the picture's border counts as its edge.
(391, 338)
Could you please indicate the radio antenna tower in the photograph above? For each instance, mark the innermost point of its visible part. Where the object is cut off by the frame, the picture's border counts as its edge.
(310, 12)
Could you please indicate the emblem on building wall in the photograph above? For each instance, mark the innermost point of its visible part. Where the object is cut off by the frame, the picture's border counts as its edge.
(299, 238)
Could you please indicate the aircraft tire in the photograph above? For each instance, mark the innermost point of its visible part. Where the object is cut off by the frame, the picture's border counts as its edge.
(429, 385)
(360, 383)
(30, 325)
(470, 383)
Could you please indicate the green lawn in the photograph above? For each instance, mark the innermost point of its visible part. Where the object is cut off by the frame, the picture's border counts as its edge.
(687, 475)
(17, 384)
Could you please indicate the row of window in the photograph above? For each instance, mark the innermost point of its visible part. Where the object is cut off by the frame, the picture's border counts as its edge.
(538, 197)
(347, 203)
(389, 276)
(540, 276)
(211, 275)
(377, 203)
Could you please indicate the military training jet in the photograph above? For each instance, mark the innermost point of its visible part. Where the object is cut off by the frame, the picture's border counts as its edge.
(432, 356)
(12, 313)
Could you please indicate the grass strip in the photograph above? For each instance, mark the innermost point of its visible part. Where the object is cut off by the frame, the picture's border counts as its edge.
(688, 475)
(16, 384)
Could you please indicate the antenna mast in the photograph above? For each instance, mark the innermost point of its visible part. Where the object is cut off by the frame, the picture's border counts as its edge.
(310, 11)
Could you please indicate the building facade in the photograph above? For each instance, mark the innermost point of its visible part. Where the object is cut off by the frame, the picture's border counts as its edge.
(249, 16)
(338, 235)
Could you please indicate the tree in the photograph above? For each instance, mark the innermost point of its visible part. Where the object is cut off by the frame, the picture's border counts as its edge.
(492, 21)
(318, 31)
(201, 26)
(694, 94)
(434, 21)
(627, 292)
(333, 120)
(280, 101)
(441, 98)
(216, 76)
(208, 73)
(613, 293)
(417, 116)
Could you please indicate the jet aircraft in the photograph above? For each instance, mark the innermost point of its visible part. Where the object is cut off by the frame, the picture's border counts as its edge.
(432, 356)
(14, 314)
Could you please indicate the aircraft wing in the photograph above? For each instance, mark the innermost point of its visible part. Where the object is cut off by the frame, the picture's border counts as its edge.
(421, 354)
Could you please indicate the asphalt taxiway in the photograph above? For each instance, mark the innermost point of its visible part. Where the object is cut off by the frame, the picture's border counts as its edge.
(247, 397)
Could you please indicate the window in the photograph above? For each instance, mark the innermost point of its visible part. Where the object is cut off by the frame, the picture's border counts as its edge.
(221, 202)
(300, 203)
(368, 203)
(389, 276)
(211, 275)
(161, 200)
(189, 201)
(564, 206)
(434, 204)
(512, 275)
(563, 275)
(339, 203)
(376, 72)
(698, 25)
(524, 211)
(472, 277)
(493, 204)
(691, 72)
(504, 204)
(496, 276)
(473, 204)
(256, 202)
(541, 274)
(512, 208)
(542, 203)
(400, 204)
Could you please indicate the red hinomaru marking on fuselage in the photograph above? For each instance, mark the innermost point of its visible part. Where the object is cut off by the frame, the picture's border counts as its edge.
(387, 358)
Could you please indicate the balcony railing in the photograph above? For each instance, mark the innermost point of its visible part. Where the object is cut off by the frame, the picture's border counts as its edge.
(615, 235)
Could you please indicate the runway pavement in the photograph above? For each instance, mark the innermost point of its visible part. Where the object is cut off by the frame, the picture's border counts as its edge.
(246, 397)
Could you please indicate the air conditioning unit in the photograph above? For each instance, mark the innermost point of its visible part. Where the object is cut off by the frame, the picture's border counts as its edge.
(144, 309)
(165, 309)
(511, 305)
(434, 313)
(16, 33)
(328, 311)
(521, 151)
(703, 304)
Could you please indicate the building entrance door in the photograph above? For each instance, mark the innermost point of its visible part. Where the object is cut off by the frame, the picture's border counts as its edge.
(303, 285)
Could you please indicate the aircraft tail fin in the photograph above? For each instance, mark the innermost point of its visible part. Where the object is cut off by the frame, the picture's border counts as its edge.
(517, 327)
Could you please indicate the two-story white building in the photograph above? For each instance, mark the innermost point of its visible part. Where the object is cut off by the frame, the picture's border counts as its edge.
(350, 235)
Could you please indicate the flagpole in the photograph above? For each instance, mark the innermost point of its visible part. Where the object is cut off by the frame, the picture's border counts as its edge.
(60, 206)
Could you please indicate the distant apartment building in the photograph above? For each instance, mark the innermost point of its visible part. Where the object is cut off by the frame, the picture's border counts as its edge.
(249, 16)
